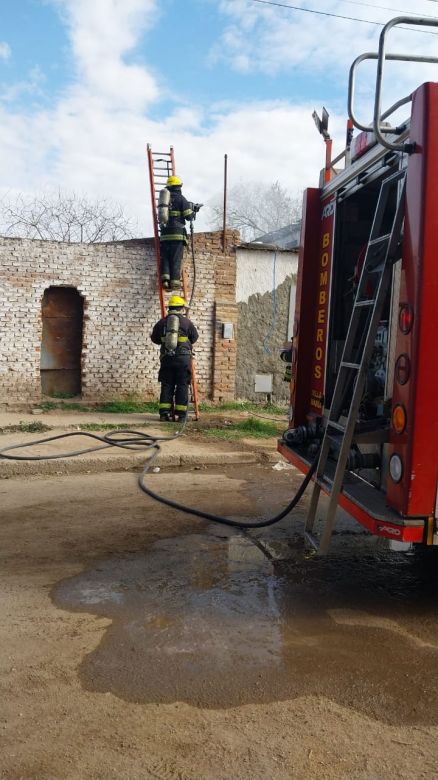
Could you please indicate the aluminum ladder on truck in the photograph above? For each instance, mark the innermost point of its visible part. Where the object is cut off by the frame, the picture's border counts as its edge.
(161, 166)
(381, 253)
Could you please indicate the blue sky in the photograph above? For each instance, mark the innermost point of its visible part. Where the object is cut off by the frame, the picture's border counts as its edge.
(85, 84)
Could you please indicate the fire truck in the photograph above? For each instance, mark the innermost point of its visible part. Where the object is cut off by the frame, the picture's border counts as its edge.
(364, 361)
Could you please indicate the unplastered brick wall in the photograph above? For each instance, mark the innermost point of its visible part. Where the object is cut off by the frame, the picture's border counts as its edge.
(215, 295)
(121, 304)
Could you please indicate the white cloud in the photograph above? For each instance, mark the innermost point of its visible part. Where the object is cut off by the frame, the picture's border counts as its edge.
(5, 50)
(102, 33)
(275, 39)
(94, 139)
(271, 40)
(32, 85)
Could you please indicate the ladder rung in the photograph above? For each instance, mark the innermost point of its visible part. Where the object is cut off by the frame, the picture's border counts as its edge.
(356, 366)
(365, 303)
(161, 154)
(324, 481)
(336, 426)
(379, 240)
(393, 177)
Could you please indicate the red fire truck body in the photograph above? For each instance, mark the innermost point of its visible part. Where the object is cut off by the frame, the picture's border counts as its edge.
(399, 503)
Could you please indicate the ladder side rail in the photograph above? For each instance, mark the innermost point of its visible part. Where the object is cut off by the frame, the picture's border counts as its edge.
(372, 325)
(343, 378)
(156, 233)
(352, 416)
(194, 382)
(359, 384)
(158, 176)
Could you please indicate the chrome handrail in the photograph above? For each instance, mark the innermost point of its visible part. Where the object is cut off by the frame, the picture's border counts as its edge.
(381, 56)
(369, 55)
(424, 22)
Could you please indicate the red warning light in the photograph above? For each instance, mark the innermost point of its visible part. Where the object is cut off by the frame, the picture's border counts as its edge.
(406, 318)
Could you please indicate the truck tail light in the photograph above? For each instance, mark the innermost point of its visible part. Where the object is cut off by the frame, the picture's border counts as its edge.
(402, 369)
(396, 467)
(406, 318)
(399, 418)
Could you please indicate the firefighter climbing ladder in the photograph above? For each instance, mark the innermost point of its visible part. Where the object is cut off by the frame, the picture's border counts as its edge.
(161, 166)
(380, 255)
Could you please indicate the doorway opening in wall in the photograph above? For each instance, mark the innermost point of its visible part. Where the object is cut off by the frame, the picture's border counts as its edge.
(61, 342)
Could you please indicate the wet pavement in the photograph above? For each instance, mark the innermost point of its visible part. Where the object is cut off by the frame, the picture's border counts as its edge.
(220, 619)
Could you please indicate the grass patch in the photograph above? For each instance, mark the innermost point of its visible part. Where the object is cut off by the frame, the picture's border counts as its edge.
(73, 406)
(109, 407)
(127, 407)
(144, 407)
(26, 427)
(242, 406)
(250, 428)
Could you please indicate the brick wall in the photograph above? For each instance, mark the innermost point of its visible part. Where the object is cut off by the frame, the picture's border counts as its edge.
(118, 284)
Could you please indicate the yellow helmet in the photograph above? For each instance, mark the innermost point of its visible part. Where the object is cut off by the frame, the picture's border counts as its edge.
(173, 181)
(176, 302)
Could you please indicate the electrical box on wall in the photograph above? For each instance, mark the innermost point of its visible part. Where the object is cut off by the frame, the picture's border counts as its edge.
(263, 383)
(227, 330)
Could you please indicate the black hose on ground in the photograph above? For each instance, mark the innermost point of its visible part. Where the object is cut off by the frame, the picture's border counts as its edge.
(219, 518)
(140, 442)
(132, 440)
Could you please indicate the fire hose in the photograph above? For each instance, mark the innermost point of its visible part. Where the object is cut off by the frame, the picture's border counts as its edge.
(140, 441)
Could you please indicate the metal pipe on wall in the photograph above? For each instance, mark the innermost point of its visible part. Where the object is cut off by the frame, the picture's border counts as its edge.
(225, 203)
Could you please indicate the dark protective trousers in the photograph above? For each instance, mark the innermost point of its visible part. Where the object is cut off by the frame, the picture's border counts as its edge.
(171, 254)
(175, 376)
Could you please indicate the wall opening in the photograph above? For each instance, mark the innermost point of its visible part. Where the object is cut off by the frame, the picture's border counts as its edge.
(61, 341)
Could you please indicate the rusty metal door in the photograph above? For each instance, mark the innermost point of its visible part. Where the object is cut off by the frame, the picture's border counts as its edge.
(61, 343)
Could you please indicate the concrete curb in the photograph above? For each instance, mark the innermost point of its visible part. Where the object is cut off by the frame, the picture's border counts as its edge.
(126, 462)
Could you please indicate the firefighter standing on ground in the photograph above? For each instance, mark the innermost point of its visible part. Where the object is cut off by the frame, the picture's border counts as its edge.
(175, 334)
(173, 212)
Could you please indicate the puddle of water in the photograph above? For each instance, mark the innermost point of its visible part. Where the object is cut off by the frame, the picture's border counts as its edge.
(219, 622)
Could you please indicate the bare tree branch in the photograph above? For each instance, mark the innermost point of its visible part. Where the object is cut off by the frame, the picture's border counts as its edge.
(255, 208)
(66, 217)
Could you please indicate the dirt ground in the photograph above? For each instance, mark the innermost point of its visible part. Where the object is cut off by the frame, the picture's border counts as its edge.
(140, 643)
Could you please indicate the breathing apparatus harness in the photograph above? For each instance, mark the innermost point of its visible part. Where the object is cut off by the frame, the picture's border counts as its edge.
(171, 335)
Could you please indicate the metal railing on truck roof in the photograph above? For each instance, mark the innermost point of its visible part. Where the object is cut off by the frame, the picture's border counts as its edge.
(381, 56)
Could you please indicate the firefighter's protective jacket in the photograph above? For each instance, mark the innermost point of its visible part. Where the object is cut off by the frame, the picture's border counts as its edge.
(187, 335)
(180, 210)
